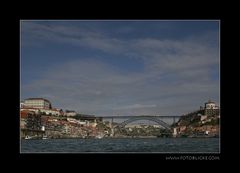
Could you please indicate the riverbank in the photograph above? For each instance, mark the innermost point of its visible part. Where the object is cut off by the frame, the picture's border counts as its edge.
(123, 137)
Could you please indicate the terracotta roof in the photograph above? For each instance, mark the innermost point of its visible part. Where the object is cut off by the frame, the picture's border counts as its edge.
(54, 109)
(24, 113)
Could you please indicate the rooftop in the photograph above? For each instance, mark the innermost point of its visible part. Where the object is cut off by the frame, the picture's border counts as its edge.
(24, 113)
(37, 99)
(209, 101)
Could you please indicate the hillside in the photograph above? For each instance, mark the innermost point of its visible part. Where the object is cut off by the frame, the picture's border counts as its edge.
(197, 125)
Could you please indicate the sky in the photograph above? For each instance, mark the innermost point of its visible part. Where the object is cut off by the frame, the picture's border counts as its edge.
(120, 67)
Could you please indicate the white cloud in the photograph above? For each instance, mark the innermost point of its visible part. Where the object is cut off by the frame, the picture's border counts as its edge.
(96, 88)
(176, 75)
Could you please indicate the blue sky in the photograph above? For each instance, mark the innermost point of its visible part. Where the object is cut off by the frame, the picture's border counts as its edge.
(121, 67)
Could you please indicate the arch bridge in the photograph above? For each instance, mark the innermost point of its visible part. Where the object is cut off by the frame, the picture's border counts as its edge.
(155, 119)
(159, 119)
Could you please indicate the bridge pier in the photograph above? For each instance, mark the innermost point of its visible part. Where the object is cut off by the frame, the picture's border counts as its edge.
(112, 132)
(174, 132)
(111, 126)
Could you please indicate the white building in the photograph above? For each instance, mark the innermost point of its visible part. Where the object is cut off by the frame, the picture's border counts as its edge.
(70, 113)
(54, 111)
(211, 109)
(31, 109)
(156, 126)
(211, 105)
(39, 103)
(21, 104)
(203, 117)
(72, 120)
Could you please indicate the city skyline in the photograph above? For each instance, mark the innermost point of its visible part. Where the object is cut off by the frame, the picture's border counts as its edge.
(121, 67)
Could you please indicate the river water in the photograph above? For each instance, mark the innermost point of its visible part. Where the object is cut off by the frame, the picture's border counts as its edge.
(125, 145)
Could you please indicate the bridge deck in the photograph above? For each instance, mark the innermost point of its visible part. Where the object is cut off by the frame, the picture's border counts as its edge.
(142, 116)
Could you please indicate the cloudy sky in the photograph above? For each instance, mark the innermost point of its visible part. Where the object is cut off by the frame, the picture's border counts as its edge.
(121, 67)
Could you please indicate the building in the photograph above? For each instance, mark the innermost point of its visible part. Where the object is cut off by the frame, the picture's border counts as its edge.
(36, 110)
(203, 117)
(39, 103)
(70, 113)
(42, 106)
(21, 104)
(211, 105)
(211, 109)
(53, 111)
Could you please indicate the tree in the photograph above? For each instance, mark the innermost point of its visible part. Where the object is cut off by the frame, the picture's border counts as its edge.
(33, 121)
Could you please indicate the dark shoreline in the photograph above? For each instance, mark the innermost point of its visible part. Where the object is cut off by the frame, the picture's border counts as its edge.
(126, 138)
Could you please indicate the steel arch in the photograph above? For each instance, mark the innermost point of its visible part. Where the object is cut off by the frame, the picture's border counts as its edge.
(160, 122)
